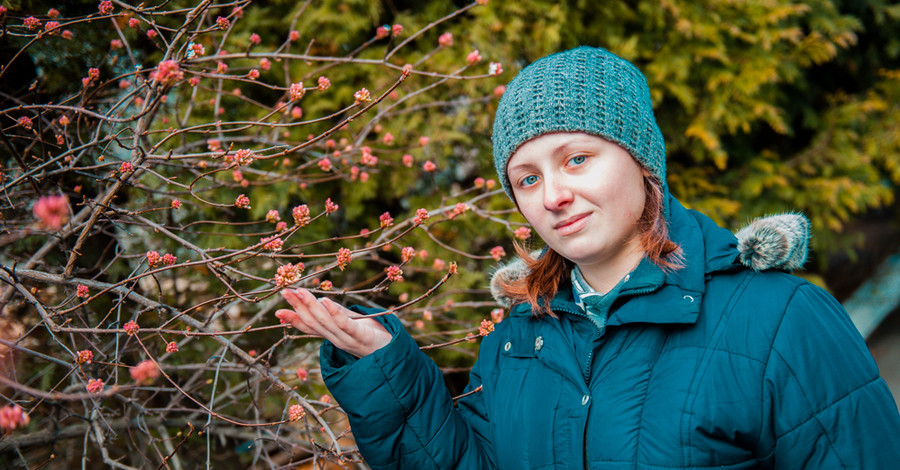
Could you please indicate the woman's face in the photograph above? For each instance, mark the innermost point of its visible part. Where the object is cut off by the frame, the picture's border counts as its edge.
(583, 195)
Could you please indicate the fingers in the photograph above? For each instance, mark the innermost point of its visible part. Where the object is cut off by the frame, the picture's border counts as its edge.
(311, 316)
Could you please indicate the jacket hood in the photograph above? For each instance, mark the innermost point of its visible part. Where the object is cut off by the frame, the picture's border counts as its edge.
(775, 242)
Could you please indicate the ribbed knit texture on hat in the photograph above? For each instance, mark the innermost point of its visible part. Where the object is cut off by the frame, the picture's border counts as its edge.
(587, 89)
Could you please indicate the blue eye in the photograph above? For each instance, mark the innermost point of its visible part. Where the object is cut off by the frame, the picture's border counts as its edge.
(529, 180)
(577, 160)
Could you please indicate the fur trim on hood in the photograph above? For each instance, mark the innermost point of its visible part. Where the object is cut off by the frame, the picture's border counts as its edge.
(775, 242)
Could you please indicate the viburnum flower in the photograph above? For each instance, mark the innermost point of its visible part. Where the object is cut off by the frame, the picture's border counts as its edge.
(133, 22)
(272, 243)
(396, 30)
(115, 44)
(63, 120)
(85, 356)
(281, 226)
(273, 216)
(126, 167)
(367, 157)
(222, 22)
(473, 57)
(499, 91)
(67, 35)
(302, 374)
(52, 212)
(105, 7)
(407, 160)
(297, 91)
(486, 327)
(296, 413)
(171, 347)
(363, 177)
(176, 203)
(421, 216)
(169, 259)
(453, 267)
(242, 202)
(255, 39)
(53, 13)
(265, 64)
(385, 220)
(497, 252)
(445, 40)
(197, 49)
(362, 96)
(296, 112)
(145, 372)
(326, 399)
(153, 258)
(330, 207)
(94, 73)
(326, 285)
(301, 215)
(522, 233)
(31, 23)
(459, 209)
(382, 31)
(481, 2)
(407, 254)
(294, 35)
(94, 385)
(237, 176)
(131, 327)
(344, 257)
(244, 157)
(221, 67)
(253, 74)
(213, 145)
(151, 33)
(325, 164)
(82, 291)
(60, 139)
(194, 81)
(51, 26)
(438, 264)
(497, 315)
(490, 183)
(495, 68)
(428, 315)
(25, 122)
(238, 12)
(12, 417)
(429, 166)
(394, 273)
(424, 140)
(288, 274)
(388, 138)
(323, 83)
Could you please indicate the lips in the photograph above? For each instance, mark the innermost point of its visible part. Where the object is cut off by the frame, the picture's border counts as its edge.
(572, 224)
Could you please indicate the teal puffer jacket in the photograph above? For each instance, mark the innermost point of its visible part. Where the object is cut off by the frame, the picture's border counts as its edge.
(720, 367)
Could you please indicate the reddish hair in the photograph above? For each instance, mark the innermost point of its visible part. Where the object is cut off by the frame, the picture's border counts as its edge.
(546, 273)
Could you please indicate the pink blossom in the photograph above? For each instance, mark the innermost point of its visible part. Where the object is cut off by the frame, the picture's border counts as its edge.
(325, 164)
(429, 166)
(363, 177)
(12, 417)
(330, 207)
(296, 112)
(265, 64)
(242, 202)
(326, 285)
(396, 30)
(176, 203)
(388, 138)
(367, 157)
(453, 268)
(94, 73)
(421, 216)
(153, 258)
(85, 356)
(131, 327)
(522, 233)
(325, 399)
(237, 176)
(294, 35)
(323, 83)
(382, 32)
(302, 374)
(238, 12)
(281, 226)
(273, 216)
(458, 210)
(362, 96)
(221, 67)
(115, 44)
(145, 373)
(171, 347)
(296, 413)
(408, 253)
(194, 81)
(297, 91)
(51, 26)
(82, 291)
(52, 212)
(53, 13)
(67, 35)
(60, 140)
(253, 74)
(63, 120)
(105, 7)
(499, 91)
(288, 274)
(330, 143)
(272, 243)
(244, 157)
(495, 68)
(126, 167)
(481, 2)
(255, 39)
(169, 259)
(407, 160)
(94, 385)
(473, 57)
(133, 22)
(497, 252)
(423, 141)
(428, 315)
(344, 257)
(31, 23)
(151, 34)
(222, 22)
(198, 49)
(497, 315)
(394, 273)
(486, 327)
(301, 215)
(25, 122)
(490, 183)
(385, 220)
(438, 264)
(213, 145)
(445, 40)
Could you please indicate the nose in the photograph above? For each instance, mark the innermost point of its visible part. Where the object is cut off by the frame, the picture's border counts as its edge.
(557, 194)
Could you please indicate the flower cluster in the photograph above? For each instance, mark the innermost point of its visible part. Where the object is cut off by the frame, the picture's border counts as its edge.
(168, 72)
(52, 212)
(297, 91)
(25, 122)
(330, 207)
(288, 274)
(302, 374)
(459, 209)
(153, 258)
(344, 257)
(495, 68)
(326, 285)
(94, 385)
(131, 327)
(368, 158)
(105, 7)
(31, 23)
(223, 22)
(273, 216)
(325, 164)
(362, 96)
(323, 83)
(474, 57)
(145, 372)
(244, 157)
(296, 413)
(176, 203)
(421, 216)
(497, 315)
(386, 220)
(12, 417)
(497, 252)
(82, 291)
(486, 327)
(445, 40)
(272, 243)
(429, 166)
(85, 356)
(394, 273)
(169, 259)
(255, 39)
(126, 167)
(242, 202)
(171, 347)
(522, 233)
(301, 215)
(407, 254)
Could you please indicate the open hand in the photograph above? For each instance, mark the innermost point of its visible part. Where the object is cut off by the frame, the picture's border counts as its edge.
(346, 329)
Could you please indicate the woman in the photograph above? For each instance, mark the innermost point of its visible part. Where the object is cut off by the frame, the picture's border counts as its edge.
(638, 338)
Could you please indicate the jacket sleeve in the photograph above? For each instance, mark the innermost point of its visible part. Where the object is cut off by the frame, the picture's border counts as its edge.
(825, 404)
(400, 410)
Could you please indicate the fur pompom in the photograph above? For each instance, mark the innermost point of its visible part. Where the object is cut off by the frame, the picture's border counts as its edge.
(774, 242)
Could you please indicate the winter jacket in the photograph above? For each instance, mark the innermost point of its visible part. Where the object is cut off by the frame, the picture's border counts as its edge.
(716, 366)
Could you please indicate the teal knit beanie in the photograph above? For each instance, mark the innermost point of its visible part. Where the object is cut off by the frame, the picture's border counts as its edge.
(587, 89)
